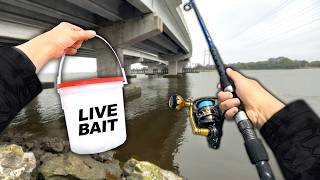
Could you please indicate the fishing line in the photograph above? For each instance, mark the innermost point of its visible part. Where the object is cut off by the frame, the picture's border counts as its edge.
(289, 24)
(282, 22)
(271, 13)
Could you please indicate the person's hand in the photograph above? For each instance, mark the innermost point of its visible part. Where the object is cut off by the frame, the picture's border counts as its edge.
(259, 104)
(65, 38)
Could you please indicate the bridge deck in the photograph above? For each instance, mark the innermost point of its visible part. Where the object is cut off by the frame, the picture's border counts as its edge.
(20, 20)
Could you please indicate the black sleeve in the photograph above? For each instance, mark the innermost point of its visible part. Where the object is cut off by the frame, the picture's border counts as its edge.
(293, 134)
(19, 83)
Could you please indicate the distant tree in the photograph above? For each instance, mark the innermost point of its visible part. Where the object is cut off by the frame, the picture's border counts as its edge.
(314, 64)
(276, 63)
(271, 63)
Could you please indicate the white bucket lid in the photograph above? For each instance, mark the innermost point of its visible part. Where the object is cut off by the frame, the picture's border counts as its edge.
(89, 81)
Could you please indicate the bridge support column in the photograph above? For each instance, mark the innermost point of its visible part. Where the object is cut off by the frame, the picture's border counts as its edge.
(107, 64)
(127, 69)
(181, 65)
(154, 68)
(127, 65)
(173, 69)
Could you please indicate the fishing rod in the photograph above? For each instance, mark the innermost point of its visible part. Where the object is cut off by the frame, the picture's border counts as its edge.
(254, 146)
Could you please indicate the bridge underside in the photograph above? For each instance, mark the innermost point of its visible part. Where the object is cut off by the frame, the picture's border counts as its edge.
(132, 27)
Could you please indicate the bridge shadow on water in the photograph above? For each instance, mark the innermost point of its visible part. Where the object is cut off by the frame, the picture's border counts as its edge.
(42, 117)
(156, 134)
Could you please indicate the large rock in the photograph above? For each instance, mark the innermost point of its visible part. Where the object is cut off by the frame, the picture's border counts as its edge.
(46, 144)
(104, 156)
(14, 163)
(72, 166)
(54, 145)
(131, 91)
(143, 170)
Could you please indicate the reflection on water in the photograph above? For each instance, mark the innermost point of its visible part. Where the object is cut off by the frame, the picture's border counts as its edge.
(154, 131)
(163, 136)
(40, 118)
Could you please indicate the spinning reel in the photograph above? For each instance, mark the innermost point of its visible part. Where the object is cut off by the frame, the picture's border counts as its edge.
(205, 117)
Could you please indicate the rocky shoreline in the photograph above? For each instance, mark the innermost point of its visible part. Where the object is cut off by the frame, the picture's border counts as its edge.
(51, 159)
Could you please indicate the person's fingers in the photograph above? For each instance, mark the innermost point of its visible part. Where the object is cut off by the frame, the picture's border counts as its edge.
(222, 96)
(234, 75)
(75, 28)
(70, 51)
(83, 35)
(230, 103)
(231, 113)
(219, 86)
(77, 45)
(71, 26)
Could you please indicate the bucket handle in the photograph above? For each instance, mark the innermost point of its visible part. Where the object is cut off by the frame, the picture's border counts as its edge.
(114, 52)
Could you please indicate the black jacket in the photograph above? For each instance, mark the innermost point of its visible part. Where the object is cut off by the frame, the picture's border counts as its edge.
(293, 133)
(19, 83)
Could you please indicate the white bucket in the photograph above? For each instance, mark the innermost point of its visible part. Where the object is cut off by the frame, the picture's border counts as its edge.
(94, 112)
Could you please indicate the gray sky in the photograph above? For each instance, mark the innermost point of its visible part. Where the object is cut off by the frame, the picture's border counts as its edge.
(253, 30)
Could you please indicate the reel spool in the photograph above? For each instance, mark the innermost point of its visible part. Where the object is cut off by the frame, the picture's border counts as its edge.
(205, 117)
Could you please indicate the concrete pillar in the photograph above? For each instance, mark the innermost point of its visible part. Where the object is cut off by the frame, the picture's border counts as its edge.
(128, 61)
(126, 65)
(127, 69)
(173, 67)
(181, 65)
(154, 69)
(180, 68)
(107, 64)
(150, 68)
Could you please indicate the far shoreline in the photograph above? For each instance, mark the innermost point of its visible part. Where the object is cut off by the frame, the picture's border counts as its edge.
(311, 68)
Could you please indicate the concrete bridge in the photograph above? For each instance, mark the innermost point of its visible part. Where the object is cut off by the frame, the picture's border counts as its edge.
(151, 32)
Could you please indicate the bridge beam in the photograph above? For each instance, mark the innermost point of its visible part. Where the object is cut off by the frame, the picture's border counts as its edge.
(171, 14)
(165, 43)
(104, 11)
(144, 55)
(124, 34)
(47, 8)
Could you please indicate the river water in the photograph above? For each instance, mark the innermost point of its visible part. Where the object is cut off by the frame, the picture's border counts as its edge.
(162, 136)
